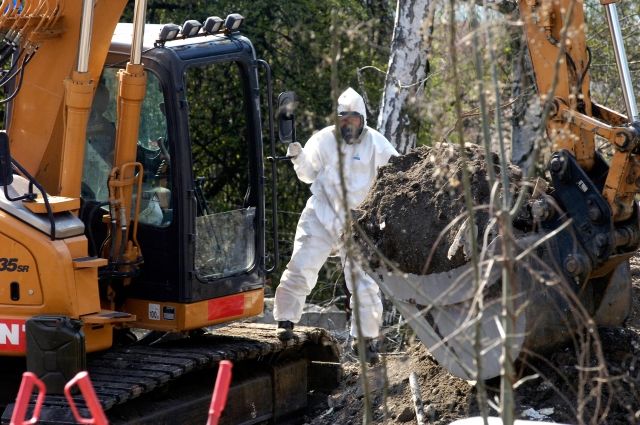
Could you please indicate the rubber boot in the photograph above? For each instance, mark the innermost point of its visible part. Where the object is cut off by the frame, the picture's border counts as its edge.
(371, 349)
(285, 330)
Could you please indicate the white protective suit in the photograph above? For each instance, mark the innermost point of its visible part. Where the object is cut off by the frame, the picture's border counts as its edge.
(322, 219)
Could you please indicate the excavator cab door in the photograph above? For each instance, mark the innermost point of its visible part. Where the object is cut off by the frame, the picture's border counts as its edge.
(201, 221)
(226, 152)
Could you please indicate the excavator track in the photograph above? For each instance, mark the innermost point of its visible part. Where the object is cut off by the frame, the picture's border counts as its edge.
(174, 368)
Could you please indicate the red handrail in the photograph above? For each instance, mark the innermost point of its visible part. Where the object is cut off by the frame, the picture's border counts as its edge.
(88, 393)
(29, 380)
(22, 400)
(220, 391)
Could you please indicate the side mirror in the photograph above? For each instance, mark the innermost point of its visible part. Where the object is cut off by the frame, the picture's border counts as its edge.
(287, 117)
(6, 169)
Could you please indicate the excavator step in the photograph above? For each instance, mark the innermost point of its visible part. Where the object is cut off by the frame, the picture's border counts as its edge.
(142, 373)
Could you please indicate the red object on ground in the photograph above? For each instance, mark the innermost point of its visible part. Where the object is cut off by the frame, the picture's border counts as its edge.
(88, 393)
(220, 391)
(29, 380)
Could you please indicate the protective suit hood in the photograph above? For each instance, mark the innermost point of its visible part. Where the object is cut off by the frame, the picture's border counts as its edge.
(350, 106)
(351, 101)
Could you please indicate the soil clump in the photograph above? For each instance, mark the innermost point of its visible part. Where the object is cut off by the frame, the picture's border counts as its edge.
(416, 196)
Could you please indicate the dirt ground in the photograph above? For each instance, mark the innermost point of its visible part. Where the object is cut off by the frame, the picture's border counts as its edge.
(599, 384)
(553, 386)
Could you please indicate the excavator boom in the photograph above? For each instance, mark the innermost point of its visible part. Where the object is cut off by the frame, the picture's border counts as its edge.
(42, 92)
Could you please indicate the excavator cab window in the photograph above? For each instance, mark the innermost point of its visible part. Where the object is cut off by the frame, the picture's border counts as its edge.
(101, 135)
(152, 151)
(225, 214)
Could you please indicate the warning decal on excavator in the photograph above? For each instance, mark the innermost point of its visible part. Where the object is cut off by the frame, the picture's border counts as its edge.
(12, 335)
(226, 307)
(154, 311)
(168, 313)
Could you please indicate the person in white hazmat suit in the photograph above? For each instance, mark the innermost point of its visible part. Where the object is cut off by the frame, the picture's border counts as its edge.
(322, 220)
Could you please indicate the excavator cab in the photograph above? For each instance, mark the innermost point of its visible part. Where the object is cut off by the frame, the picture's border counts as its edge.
(201, 207)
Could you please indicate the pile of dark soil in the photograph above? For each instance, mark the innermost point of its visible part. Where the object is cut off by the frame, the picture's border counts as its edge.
(416, 196)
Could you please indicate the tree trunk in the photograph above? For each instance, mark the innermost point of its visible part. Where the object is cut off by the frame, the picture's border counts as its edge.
(525, 119)
(408, 66)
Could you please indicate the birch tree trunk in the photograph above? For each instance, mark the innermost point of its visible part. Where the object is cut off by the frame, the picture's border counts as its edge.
(408, 67)
(525, 119)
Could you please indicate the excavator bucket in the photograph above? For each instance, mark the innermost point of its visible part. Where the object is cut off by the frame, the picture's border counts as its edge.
(442, 308)
(567, 261)
(460, 320)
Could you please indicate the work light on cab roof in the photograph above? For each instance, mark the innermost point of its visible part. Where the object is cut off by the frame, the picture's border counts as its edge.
(233, 22)
(190, 28)
(212, 24)
(167, 33)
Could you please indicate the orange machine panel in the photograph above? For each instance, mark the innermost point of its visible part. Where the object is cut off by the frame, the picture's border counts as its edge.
(168, 316)
(19, 281)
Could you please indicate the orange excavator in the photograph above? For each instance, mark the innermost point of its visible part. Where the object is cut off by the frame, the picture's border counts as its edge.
(133, 197)
(571, 268)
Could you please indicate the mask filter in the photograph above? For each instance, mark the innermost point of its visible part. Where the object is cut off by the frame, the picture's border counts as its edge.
(350, 126)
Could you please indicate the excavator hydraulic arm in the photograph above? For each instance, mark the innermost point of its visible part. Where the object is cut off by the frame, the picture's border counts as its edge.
(59, 49)
(560, 58)
(42, 95)
(71, 40)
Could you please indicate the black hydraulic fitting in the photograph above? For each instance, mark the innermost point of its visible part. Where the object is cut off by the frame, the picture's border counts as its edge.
(601, 243)
(574, 264)
(558, 166)
(594, 211)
